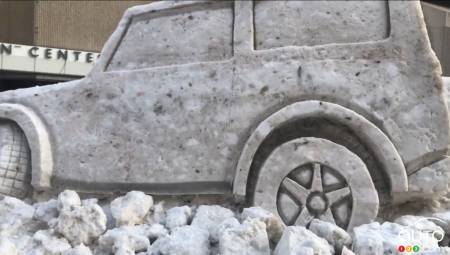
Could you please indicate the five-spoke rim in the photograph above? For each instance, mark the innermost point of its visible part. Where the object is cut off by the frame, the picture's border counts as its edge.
(313, 198)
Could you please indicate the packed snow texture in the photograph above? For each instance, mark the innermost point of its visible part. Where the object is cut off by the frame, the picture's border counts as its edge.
(133, 224)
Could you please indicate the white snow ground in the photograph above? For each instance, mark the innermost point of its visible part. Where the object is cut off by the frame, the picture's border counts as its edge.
(134, 224)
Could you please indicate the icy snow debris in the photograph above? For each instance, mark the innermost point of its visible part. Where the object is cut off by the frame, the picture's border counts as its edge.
(210, 217)
(185, 240)
(250, 238)
(131, 209)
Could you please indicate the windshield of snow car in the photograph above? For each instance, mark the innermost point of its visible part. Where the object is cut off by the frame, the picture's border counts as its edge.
(198, 33)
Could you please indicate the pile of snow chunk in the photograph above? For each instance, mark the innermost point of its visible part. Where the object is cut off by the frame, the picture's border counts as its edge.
(133, 224)
(186, 239)
(299, 240)
(131, 209)
(178, 216)
(79, 222)
(250, 237)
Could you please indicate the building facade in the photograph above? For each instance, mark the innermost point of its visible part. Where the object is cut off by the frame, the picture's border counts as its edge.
(44, 42)
(437, 18)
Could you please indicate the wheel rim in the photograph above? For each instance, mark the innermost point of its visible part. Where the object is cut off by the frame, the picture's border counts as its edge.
(314, 190)
(310, 177)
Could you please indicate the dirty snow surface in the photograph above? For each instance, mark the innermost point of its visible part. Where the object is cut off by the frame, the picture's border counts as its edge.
(136, 224)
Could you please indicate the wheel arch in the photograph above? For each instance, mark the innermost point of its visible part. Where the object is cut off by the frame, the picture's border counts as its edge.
(38, 140)
(366, 131)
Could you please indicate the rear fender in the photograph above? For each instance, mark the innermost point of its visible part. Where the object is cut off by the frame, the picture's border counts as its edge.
(38, 139)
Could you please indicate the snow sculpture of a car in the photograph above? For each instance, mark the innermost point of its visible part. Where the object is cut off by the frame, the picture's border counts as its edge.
(306, 108)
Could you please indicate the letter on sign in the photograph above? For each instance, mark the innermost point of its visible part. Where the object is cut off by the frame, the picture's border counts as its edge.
(32, 52)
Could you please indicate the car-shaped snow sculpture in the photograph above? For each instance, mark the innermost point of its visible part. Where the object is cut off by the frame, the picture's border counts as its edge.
(310, 109)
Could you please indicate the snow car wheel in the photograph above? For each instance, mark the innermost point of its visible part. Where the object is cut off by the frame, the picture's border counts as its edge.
(310, 178)
(15, 161)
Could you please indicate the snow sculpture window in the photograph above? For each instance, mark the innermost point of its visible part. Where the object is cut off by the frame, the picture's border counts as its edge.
(199, 33)
(308, 23)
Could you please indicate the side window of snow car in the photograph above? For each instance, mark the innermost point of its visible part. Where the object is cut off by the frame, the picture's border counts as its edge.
(300, 23)
(197, 33)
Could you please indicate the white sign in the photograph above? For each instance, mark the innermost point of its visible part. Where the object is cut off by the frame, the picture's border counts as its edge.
(24, 58)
